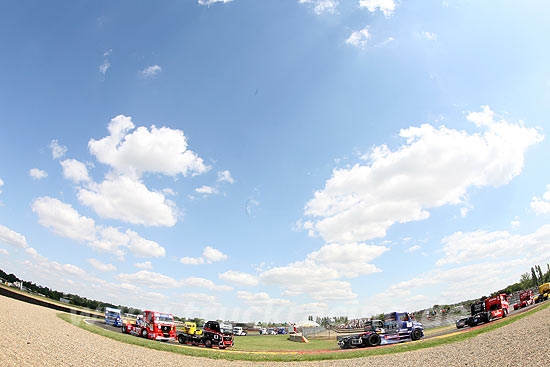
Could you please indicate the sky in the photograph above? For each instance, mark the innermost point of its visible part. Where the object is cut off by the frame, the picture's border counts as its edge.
(269, 160)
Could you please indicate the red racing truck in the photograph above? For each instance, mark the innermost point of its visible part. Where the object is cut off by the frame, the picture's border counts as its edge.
(152, 325)
(497, 306)
(525, 299)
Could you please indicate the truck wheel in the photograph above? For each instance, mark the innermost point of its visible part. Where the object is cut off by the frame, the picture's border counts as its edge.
(144, 333)
(416, 334)
(373, 340)
(123, 329)
(181, 339)
(504, 313)
(208, 343)
(222, 348)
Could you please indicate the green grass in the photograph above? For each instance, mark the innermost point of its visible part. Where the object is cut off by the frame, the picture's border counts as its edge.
(281, 345)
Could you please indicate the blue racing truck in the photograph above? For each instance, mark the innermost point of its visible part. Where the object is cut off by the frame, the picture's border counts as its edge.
(113, 317)
(396, 327)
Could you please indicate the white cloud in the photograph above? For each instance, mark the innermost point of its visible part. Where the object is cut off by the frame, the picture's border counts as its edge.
(159, 150)
(13, 238)
(204, 283)
(110, 240)
(363, 201)
(63, 220)
(58, 151)
(144, 265)
(430, 36)
(261, 299)
(150, 279)
(192, 260)
(541, 205)
(211, 255)
(463, 247)
(206, 190)
(317, 275)
(515, 223)
(3, 251)
(239, 278)
(1, 184)
(359, 38)
(322, 6)
(74, 170)
(349, 260)
(130, 201)
(141, 247)
(98, 265)
(414, 248)
(106, 64)
(387, 7)
(211, 2)
(151, 71)
(225, 176)
(37, 174)
(464, 211)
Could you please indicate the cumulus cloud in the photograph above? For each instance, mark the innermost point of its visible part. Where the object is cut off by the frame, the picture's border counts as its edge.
(37, 174)
(98, 265)
(58, 150)
(151, 71)
(359, 38)
(209, 255)
(128, 200)
(462, 247)
(13, 238)
(204, 283)
(239, 278)
(1, 184)
(321, 6)
(213, 255)
(318, 275)
(150, 279)
(225, 176)
(144, 265)
(414, 248)
(541, 205)
(158, 150)
(435, 167)
(261, 299)
(192, 260)
(141, 247)
(3, 251)
(211, 2)
(387, 7)
(63, 220)
(206, 190)
(75, 171)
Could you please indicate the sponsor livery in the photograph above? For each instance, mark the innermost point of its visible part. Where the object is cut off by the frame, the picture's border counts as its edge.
(152, 325)
(113, 317)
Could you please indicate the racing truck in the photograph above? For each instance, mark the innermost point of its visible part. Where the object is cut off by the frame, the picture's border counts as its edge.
(152, 325)
(525, 299)
(488, 310)
(214, 334)
(544, 293)
(113, 317)
(396, 327)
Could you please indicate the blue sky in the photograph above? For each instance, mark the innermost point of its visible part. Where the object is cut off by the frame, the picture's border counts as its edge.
(274, 159)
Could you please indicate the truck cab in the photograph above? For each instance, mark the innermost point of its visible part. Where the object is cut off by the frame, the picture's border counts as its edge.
(525, 299)
(497, 306)
(238, 331)
(113, 317)
(218, 334)
(152, 325)
(401, 326)
(544, 293)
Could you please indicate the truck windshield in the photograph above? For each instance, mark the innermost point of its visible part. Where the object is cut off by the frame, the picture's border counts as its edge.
(112, 314)
(226, 328)
(164, 318)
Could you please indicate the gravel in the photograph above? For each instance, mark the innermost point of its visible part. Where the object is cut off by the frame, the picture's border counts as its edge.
(35, 336)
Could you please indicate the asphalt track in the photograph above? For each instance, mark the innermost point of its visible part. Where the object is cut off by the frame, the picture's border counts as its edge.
(442, 334)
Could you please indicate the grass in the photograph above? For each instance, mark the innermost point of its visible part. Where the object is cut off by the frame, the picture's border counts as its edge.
(279, 343)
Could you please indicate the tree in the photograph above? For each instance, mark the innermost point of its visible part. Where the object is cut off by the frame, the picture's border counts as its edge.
(534, 281)
(525, 280)
(539, 271)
